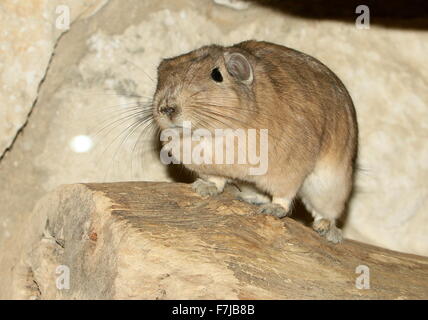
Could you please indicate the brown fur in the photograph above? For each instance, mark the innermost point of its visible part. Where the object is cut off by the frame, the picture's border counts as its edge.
(308, 111)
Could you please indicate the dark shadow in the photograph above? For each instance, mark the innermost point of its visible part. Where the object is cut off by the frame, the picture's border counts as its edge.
(300, 213)
(400, 14)
(179, 173)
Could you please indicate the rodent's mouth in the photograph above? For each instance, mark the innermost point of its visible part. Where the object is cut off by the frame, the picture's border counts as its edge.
(165, 123)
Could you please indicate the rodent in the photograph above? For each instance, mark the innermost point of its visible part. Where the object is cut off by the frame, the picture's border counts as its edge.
(309, 114)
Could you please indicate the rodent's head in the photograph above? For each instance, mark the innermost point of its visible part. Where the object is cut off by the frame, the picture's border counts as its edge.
(210, 87)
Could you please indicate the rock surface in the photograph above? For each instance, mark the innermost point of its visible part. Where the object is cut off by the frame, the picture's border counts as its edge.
(29, 32)
(80, 127)
(139, 240)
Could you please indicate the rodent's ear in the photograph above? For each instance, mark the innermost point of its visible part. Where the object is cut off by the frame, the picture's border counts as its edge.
(239, 67)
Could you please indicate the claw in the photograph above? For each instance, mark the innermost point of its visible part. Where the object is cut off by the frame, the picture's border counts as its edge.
(205, 188)
(273, 209)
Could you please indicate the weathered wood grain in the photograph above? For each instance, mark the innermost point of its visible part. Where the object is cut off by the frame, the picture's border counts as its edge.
(150, 240)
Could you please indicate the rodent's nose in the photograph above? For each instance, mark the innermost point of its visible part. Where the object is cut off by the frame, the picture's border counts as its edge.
(168, 110)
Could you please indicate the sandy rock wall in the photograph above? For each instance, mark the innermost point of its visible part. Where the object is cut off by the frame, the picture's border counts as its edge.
(105, 65)
(29, 31)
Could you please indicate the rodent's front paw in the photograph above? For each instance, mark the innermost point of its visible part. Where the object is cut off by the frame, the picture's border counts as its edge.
(328, 230)
(205, 188)
(321, 226)
(273, 209)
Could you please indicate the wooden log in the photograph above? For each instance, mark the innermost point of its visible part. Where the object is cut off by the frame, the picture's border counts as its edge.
(150, 240)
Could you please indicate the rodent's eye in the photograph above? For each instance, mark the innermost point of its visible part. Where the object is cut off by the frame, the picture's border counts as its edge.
(216, 75)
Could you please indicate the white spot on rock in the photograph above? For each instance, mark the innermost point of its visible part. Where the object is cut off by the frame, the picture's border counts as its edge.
(81, 143)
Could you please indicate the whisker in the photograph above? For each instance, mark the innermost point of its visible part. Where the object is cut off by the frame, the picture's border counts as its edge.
(202, 120)
(124, 114)
(211, 116)
(150, 126)
(114, 124)
(118, 113)
(107, 92)
(267, 115)
(129, 134)
(143, 104)
(208, 110)
(279, 142)
(128, 130)
(141, 69)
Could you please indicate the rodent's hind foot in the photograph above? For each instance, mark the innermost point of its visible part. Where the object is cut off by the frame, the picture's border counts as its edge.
(205, 188)
(334, 235)
(253, 198)
(273, 209)
(327, 229)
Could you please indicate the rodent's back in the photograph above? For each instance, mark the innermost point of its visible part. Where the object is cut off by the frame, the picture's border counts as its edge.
(305, 87)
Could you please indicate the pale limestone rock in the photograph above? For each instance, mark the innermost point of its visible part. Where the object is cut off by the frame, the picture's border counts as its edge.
(234, 4)
(29, 31)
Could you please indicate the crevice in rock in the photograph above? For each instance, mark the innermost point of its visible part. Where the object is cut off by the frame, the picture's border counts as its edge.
(32, 289)
(37, 288)
(42, 80)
